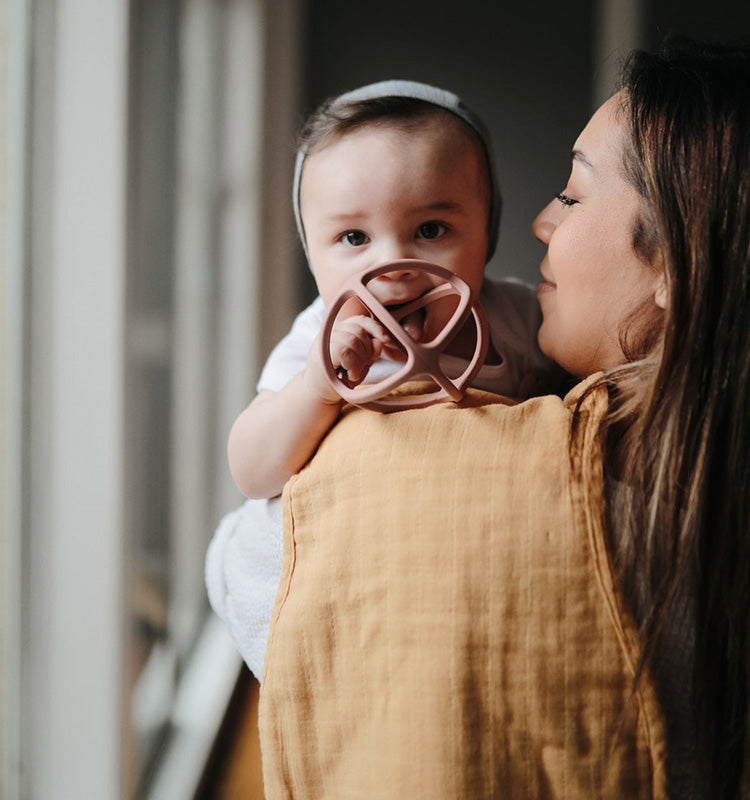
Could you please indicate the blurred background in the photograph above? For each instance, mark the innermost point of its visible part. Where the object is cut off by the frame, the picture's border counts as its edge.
(150, 263)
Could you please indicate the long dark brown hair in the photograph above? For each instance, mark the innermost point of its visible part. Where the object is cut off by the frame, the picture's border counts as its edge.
(679, 488)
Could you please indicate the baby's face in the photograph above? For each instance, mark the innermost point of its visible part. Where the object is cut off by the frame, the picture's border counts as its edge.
(381, 194)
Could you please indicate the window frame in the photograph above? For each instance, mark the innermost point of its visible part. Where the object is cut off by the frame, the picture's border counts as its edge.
(64, 548)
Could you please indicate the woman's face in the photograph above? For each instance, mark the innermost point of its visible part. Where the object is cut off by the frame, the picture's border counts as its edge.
(592, 279)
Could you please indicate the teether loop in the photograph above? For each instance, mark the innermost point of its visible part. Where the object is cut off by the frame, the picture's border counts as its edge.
(422, 358)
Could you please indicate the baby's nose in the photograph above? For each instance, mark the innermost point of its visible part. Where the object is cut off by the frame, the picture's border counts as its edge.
(402, 270)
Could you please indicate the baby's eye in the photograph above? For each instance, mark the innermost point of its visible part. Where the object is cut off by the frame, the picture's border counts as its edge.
(430, 230)
(354, 238)
(565, 200)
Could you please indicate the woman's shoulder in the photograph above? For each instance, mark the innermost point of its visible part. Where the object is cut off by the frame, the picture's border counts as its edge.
(588, 392)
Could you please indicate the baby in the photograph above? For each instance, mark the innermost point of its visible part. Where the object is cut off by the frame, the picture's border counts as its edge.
(394, 170)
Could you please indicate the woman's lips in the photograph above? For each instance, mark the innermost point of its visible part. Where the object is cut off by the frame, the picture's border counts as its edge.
(545, 286)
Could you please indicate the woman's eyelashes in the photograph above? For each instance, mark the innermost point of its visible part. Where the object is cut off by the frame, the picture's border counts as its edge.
(564, 199)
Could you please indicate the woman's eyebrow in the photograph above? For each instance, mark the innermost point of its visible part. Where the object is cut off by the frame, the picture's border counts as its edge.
(581, 158)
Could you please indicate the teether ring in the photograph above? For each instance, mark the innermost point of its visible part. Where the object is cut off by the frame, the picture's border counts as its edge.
(422, 359)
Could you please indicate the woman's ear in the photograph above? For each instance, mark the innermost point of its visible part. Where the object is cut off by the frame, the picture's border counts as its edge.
(660, 295)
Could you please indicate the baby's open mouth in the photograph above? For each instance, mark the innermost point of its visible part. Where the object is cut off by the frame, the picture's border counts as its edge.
(413, 322)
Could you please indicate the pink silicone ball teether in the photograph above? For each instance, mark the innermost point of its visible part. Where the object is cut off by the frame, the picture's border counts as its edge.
(422, 358)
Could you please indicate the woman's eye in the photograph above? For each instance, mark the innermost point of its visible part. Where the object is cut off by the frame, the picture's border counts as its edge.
(565, 200)
(355, 238)
(430, 230)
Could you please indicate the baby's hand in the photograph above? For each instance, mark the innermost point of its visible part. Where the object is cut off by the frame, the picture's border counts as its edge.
(356, 343)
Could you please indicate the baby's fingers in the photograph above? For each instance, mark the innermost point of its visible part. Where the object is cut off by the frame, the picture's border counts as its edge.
(355, 345)
(390, 346)
(370, 326)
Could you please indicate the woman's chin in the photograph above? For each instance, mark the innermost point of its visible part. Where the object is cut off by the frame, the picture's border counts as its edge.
(547, 342)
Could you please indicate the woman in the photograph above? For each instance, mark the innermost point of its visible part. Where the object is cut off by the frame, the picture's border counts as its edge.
(457, 631)
(678, 433)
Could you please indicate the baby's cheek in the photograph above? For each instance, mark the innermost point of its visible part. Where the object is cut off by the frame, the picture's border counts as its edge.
(438, 315)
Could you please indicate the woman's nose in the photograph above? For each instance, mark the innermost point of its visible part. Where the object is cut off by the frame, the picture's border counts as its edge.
(545, 223)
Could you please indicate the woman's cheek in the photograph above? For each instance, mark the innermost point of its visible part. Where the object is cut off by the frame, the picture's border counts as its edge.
(560, 249)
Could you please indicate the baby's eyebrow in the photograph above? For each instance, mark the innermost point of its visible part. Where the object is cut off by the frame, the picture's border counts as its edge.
(344, 216)
(348, 217)
(441, 205)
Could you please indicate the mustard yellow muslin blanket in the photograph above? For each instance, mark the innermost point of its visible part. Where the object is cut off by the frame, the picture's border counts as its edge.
(447, 624)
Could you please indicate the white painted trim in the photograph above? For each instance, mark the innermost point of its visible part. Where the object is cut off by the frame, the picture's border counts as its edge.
(15, 97)
(202, 700)
(196, 211)
(242, 231)
(74, 497)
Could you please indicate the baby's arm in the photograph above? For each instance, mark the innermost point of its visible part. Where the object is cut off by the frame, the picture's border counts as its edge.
(278, 432)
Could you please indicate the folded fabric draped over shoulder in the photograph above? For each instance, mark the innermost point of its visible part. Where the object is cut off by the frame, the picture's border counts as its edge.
(447, 624)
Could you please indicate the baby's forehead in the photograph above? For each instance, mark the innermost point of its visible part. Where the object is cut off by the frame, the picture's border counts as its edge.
(437, 129)
(438, 151)
(435, 122)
